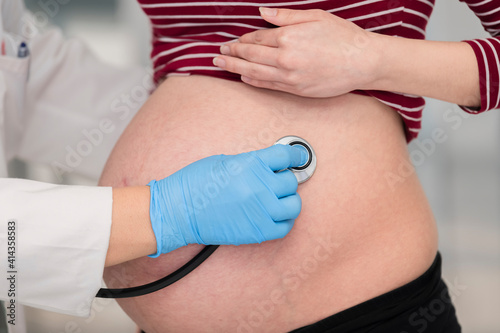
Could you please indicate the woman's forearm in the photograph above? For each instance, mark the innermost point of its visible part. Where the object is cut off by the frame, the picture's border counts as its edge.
(317, 54)
(443, 70)
(131, 232)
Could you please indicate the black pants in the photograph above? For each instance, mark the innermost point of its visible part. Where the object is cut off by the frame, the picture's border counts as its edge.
(421, 306)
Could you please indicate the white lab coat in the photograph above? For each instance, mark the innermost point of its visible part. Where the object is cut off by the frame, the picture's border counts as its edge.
(68, 114)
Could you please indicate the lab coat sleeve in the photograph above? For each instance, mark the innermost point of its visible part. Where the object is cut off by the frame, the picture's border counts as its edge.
(76, 106)
(61, 240)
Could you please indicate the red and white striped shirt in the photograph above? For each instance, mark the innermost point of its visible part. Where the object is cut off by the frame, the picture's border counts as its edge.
(487, 52)
(187, 35)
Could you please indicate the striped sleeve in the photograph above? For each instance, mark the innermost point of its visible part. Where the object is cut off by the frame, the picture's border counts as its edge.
(487, 51)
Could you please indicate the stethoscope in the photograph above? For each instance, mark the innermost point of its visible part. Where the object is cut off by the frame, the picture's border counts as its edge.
(302, 173)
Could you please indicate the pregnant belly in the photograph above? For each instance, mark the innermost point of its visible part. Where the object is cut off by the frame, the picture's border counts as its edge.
(364, 229)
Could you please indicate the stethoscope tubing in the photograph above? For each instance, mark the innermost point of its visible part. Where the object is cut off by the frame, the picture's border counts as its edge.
(162, 283)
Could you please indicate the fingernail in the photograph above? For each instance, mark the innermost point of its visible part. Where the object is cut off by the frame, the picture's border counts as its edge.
(224, 49)
(219, 62)
(304, 155)
(268, 11)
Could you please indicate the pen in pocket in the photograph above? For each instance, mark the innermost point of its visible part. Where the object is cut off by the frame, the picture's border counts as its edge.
(23, 50)
(3, 47)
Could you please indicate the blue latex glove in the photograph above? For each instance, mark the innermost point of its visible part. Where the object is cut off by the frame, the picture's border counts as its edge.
(236, 199)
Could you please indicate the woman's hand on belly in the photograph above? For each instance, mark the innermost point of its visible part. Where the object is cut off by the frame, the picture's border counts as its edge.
(317, 54)
(313, 54)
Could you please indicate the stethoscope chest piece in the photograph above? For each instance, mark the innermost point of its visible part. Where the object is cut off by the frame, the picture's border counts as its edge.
(305, 171)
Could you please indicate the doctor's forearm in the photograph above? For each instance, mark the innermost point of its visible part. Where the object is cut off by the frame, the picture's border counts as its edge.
(131, 232)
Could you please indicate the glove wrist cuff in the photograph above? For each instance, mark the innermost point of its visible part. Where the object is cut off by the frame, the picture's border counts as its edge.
(168, 238)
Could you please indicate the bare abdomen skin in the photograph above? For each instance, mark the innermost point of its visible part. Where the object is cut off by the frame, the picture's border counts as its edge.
(360, 233)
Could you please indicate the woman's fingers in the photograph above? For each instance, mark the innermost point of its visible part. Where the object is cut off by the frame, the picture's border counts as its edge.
(246, 68)
(267, 37)
(283, 17)
(252, 61)
(254, 53)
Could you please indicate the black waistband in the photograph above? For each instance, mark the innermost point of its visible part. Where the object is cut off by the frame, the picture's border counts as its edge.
(382, 307)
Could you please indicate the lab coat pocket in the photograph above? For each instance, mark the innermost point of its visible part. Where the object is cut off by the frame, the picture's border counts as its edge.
(13, 81)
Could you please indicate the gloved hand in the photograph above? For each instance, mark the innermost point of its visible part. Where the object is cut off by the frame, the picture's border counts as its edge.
(235, 199)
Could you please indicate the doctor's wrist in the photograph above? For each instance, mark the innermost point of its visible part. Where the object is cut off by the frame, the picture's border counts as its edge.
(131, 236)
